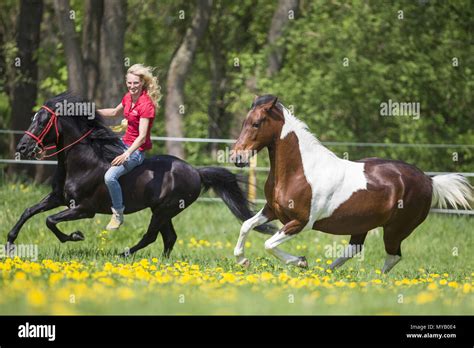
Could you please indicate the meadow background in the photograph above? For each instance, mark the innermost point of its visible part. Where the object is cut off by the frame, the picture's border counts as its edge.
(435, 275)
(333, 62)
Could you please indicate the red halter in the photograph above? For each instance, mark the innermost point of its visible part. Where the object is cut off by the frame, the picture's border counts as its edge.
(52, 121)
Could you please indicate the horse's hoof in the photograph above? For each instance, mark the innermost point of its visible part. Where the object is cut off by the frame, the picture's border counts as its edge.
(125, 254)
(77, 236)
(10, 249)
(302, 262)
(244, 262)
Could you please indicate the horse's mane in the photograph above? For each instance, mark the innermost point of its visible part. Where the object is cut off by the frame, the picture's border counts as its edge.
(104, 142)
(292, 123)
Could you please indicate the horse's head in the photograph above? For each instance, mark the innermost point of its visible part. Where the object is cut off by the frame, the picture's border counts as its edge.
(261, 126)
(42, 134)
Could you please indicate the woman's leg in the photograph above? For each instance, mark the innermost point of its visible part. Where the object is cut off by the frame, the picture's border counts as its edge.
(111, 179)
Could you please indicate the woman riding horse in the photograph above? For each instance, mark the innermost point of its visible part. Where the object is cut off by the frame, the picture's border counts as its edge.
(138, 108)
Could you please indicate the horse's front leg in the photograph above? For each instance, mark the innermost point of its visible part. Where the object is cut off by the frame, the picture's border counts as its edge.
(49, 202)
(75, 213)
(261, 217)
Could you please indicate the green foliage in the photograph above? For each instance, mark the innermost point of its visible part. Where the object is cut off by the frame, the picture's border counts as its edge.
(407, 59)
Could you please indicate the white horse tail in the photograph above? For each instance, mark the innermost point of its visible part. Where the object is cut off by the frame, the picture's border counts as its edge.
(454, 189)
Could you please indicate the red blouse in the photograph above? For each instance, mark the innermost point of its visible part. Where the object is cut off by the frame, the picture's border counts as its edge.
(143, 108)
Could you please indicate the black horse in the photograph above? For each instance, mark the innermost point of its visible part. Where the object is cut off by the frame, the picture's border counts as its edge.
(86, 146)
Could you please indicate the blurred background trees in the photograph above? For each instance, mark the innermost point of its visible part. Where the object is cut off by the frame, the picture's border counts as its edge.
(332, 62)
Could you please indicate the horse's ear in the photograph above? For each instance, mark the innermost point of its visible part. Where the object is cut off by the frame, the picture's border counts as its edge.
(271, 105)
(274, 102)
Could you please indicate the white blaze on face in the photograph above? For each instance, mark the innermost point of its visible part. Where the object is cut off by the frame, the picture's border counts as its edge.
(332, 180)
(34, 117)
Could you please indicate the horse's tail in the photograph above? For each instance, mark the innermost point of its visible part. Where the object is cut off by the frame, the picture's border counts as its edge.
(226, 185)
(454, 189)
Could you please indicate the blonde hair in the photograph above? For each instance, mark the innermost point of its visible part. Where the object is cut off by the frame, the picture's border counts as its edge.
(150, 81)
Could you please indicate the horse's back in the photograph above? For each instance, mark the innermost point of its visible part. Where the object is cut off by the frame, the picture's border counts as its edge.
(393, 188)
(412, 186)
(162, 179)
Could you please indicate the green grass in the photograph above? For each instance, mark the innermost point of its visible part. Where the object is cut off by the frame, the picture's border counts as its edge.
(442, 245)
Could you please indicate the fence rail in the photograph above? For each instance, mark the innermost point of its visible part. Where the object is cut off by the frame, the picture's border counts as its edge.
(328, 143)
(253, 169)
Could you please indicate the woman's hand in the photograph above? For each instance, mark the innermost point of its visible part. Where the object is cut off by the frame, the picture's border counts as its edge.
(119, 160)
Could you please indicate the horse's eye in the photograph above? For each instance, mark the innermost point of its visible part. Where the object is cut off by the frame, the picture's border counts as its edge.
(256, 125)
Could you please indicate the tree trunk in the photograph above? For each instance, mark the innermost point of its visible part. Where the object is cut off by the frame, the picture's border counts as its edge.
(218, 120)
(75, 68)
(280, 18)
(177, 73)
(93, 11)
(26, 75)
(112, 69)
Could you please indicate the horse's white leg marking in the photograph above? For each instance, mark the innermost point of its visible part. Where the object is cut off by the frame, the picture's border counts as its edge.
(271, 246)
(390, 261)
(350, 251)
(254, 221)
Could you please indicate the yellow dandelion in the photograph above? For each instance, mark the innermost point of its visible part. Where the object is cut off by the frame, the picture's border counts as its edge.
(20, 276)
(425, 297)
(453, 284)
(36, 297)
(266, 276)
(466, 288)
(330, 299)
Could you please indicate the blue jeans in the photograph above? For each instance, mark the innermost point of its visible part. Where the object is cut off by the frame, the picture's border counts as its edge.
(115, 172)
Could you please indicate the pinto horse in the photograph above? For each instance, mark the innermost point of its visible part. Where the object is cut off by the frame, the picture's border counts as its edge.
(309, 187)
(85, 147)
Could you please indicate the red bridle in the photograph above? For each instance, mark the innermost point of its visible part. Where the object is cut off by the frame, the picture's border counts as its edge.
(52, 121)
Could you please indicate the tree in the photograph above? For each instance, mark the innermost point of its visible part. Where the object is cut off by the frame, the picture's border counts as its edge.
(112, 37)
(72, 49)
(179, 68)
(93, 10)
(283, 13)
(25, 89)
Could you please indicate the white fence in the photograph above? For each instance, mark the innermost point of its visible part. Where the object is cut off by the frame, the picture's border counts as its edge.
(266, 169)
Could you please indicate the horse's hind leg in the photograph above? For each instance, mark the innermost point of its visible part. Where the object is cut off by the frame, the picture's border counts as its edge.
(355, 246)
(68, 215)
(286, 233)
(393, 235)
(149, 237)
(169, 238)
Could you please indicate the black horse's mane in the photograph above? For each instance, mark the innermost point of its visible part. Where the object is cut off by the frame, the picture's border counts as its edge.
(104, 142)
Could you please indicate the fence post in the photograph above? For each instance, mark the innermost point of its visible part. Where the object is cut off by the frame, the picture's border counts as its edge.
(252, 191)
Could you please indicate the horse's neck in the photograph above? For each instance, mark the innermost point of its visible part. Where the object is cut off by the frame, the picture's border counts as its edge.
(296, 150)
(79, 157)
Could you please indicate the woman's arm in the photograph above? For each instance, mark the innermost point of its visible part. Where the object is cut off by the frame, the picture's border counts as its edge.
(139, 141)
(112, 112)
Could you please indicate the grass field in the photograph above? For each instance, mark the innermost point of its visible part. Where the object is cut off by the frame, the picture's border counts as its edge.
(434, 277)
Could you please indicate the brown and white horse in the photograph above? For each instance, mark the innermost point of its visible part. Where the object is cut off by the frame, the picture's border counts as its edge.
(309, 187)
